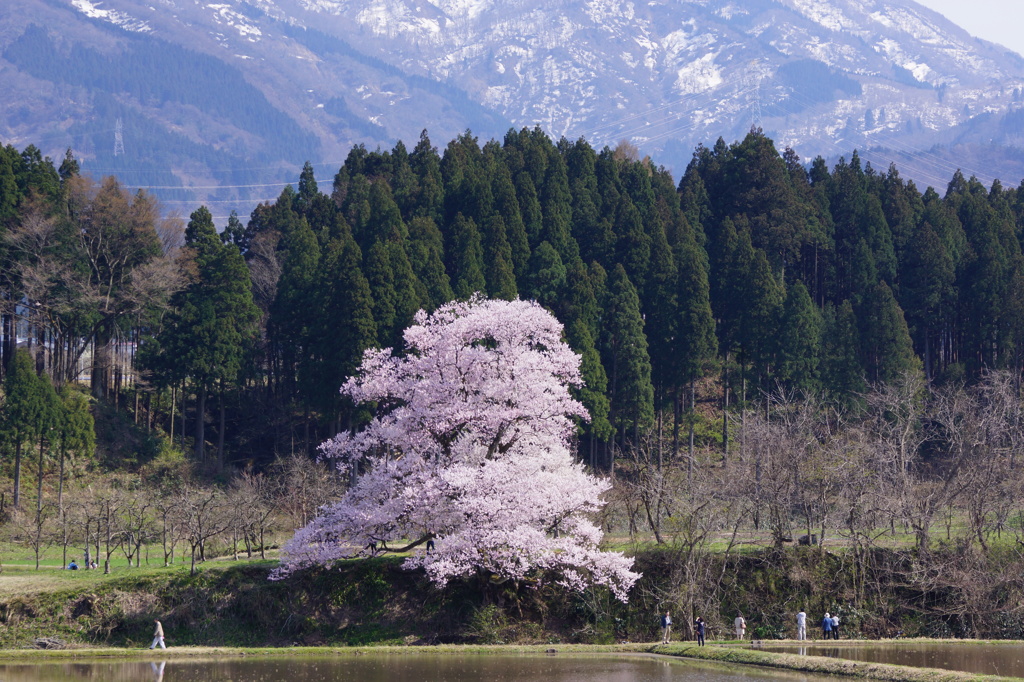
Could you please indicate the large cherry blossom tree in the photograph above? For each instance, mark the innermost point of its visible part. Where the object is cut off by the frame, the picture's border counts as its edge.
(469, 456)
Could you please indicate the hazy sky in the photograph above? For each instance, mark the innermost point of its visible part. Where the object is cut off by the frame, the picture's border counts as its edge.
(999, 21)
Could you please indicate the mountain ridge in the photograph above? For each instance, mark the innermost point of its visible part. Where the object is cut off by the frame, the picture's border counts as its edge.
(888, 77)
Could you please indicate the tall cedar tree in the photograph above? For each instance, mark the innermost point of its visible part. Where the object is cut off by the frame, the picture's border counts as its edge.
(927, 292)
(407, 289)
(465, 256)
(799, 341)
(212, 327)
(693, 329)
(426, 252)
(342, 328)
(761, 190)
(545, 281)
(381, 278)
(506, 205)
(51, 416)
(499, 271)
(628, 361)
(22, 414)
(887, 350)
(76, 435)
(841, 370)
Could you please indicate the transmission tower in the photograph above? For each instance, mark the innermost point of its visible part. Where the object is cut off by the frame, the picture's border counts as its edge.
(754, 77)
(118, 139)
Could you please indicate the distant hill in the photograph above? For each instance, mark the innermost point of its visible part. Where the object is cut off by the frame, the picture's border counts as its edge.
(222, 102)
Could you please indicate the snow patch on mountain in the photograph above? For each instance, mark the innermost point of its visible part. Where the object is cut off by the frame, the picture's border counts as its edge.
(729, 11)
(223, 14)
(324, 6)
(393, 18)
(464, 9)
(698, 76)
(609, 12)
(823, 13)
(115, 17)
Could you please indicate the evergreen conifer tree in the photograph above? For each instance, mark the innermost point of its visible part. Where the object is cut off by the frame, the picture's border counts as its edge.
(887, 349)
(799, 340)
(927, 292)
(381, 278)
(696, 343)
(426, 165)
(545, 276)
(506, 205)
(23, 407)
(77, 432)
(629, 364)
(499, 272)
(213, 323)
(290, 314)
(342, 329)
(465, 258)
(426, 253)
(842, 373)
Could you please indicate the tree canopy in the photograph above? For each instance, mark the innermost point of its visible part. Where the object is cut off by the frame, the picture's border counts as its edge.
(469, 450)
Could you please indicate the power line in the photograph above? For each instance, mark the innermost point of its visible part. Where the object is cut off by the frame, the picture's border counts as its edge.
(194, 187)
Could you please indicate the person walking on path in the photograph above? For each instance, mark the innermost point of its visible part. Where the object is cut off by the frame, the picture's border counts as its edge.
(741, 626)
(699, 628)
(158, 636)
(826, 626)
(835, 626)
(801, 625)
(666, 627)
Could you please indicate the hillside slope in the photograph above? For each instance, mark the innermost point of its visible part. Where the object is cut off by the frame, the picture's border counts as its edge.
(222, 102)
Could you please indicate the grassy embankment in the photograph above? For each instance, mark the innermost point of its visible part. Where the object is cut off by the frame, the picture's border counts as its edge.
(231, 609)
(376, 602)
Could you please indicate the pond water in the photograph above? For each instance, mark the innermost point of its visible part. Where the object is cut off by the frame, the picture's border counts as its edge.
(971, 657)
(404, 668)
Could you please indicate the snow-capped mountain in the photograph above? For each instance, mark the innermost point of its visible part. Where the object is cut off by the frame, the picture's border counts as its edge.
(262, 85)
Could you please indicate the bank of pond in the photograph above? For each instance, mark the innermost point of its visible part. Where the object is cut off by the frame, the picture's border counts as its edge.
(982, 658)
(682, 662)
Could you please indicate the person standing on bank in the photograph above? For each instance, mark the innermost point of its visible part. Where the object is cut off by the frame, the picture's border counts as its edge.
(835, 626)
(699, 628)
(801, 625)
(826, 626)
(666, 627)
(158, 636)
(741, 626)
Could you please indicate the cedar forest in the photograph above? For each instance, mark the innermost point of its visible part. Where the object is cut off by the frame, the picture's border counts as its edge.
(753, 283)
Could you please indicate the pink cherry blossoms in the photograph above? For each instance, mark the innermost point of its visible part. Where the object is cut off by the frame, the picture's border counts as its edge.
(469, 450)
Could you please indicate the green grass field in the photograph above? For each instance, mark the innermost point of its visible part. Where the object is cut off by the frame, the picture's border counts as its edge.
(20, 577)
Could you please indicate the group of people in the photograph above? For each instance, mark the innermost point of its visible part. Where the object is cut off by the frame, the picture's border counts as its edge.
(73, 565)
(699, 628)
(829, 627)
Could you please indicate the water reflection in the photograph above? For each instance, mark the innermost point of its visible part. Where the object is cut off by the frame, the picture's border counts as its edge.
(971, 657)
(405, 668)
